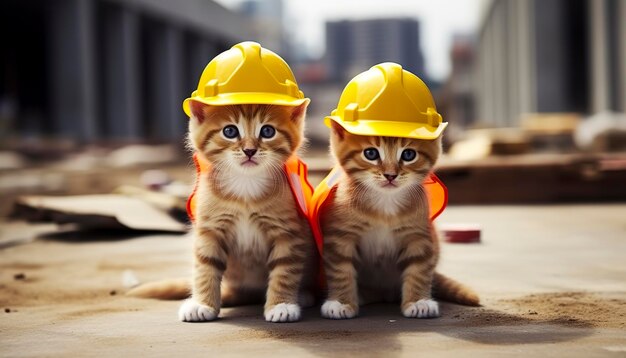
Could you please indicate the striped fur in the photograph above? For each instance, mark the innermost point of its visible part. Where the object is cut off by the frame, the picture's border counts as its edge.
(250, 241)
(379, 244)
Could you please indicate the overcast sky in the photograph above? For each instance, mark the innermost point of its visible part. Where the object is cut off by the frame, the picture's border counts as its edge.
(440, 19)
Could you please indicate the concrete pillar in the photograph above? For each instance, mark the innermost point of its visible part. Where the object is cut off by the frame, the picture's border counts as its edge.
(526, 61)
(122, 74)
(489, 76)
(72, 64)
(600, 85)
(513, 62)
(201, 52)
(478, 81)
(175, 52)
(483, 78)
(621, 55)
(553, 64)
(165, 89)
(499, 68)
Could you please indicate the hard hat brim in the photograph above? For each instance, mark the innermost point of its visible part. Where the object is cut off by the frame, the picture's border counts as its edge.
(245, 98)
(389, 128)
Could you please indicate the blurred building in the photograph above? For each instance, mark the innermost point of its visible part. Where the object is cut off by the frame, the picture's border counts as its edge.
(456, 98)
(355, 46)
(106, 70)
(550, 56)
(266, 24)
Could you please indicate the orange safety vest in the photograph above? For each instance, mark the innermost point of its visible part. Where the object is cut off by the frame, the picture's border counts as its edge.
(295, 170)
(435, 189)
(310, 204)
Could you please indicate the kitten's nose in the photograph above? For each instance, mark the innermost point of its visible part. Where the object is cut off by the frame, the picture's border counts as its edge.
(249, 152)
(390, 177)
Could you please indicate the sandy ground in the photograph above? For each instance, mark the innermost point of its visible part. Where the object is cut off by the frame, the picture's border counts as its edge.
(552, 280)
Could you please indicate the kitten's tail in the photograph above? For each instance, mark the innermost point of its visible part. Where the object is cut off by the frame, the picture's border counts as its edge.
(170, 289)
(447, 289)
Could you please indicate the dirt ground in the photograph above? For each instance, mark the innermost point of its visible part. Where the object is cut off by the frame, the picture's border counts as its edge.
(552, 280)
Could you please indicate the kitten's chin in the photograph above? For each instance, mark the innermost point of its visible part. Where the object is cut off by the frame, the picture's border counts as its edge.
(388, 200)
(250, 163)
(388, 187)
(252, 167)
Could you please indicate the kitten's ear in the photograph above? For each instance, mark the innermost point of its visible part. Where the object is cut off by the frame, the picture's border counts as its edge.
(199, 110)
(298, 113)
(338, 129)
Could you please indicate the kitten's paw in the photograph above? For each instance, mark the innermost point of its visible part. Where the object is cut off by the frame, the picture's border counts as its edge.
(337, 310)
(424, 308)
(283, 312)
(192, 311)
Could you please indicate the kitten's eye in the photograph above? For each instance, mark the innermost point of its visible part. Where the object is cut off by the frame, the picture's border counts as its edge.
(371, 153)
(267, 131)
(230, 132)
(408, 155)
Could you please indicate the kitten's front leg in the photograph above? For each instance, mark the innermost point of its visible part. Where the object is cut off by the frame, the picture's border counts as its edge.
(341, 278)
(286, 264)
(417, 264)
(210, 257)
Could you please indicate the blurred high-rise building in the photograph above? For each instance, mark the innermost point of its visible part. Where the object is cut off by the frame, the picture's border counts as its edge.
(354, 46)
(455, 98)
(266, 24)
(106, 70)
(550, 56)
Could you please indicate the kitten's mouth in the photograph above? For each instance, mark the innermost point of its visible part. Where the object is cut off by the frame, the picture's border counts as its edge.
(389, 185)
(249, 163)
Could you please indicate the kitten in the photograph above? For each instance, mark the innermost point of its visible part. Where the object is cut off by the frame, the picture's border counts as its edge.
(379, 243)
(250, 241)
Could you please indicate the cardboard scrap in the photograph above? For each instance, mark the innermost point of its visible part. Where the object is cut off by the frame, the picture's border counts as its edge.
(108, 211)
(482, 143)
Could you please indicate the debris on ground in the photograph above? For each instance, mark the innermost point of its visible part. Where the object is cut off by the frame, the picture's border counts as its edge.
(134, 155)
(460, 233)
(19, 276)
(129, 279)
(174, 205)
(108, 211)
(11, 160)
(602, 132)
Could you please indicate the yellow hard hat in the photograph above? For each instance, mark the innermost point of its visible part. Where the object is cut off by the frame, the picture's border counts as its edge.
(388, 101)
(247, 74)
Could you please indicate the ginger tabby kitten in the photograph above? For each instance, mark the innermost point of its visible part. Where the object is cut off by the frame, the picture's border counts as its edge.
(250, 241)
(379, 243)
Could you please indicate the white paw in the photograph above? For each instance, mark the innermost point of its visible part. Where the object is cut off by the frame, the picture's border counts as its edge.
(337, 310)
(283, 312)
(192, 311)
(422, 309)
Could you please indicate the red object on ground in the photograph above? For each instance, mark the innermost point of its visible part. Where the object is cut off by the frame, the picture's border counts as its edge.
(461, 233)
